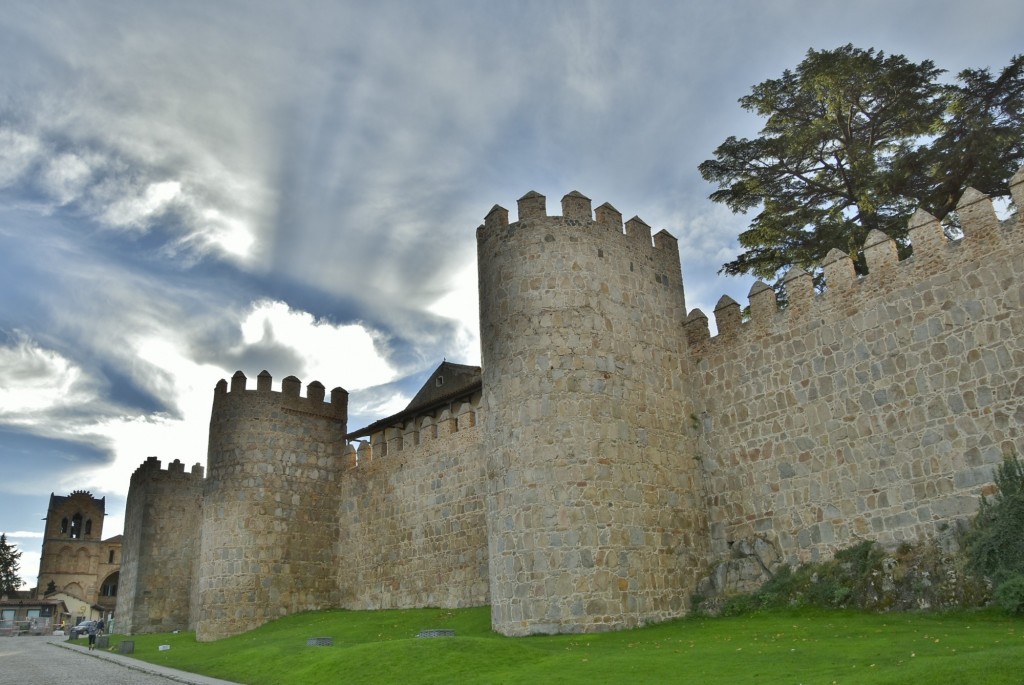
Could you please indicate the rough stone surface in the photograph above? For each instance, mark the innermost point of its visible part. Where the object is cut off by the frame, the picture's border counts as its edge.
(162, 518)
(878, 411)
(594, 511)
(413, 531)
(270, 508)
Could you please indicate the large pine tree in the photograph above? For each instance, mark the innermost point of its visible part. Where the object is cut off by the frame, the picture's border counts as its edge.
(9, 566)
(856, 140)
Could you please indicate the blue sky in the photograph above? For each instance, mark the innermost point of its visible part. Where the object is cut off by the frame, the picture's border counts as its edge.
(192, 188)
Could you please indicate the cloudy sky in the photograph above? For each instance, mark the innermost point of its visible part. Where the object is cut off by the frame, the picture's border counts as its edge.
(192, 188)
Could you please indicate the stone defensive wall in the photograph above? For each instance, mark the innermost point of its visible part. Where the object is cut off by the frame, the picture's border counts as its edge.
(160, 544)
(269, 527)
(876, 409)
(413, 531)
(612, 456)
(594, 517)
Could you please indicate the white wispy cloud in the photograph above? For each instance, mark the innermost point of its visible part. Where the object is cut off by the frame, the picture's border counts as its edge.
(17, 154)
(336, 354)
(138, 210)
(36, 383)
(23, 535)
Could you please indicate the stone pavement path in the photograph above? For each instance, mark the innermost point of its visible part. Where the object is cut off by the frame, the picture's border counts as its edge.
(32, 660)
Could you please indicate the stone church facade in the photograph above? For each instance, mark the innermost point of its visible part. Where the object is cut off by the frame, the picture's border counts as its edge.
(610, 454)
(76, 559)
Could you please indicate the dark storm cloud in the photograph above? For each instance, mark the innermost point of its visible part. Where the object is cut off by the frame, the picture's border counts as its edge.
(36, 463)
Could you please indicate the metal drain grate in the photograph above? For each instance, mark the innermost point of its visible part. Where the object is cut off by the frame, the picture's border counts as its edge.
(439, 632)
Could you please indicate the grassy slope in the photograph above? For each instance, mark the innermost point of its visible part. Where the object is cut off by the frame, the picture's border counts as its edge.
(773, 647)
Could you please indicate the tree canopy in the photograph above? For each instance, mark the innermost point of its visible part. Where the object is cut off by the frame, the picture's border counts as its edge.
(856, 140)
(9, 566)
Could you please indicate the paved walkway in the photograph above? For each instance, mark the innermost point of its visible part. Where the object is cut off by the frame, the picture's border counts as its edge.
(48, 660)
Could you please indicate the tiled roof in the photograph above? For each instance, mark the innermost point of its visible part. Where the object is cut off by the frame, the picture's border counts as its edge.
(446, 384)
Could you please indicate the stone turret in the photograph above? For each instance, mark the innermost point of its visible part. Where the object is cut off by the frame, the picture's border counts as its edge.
(594, 515)
(161, 544)
(270, 526)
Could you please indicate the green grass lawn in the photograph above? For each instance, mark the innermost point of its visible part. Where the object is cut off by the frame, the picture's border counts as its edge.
(808, 646)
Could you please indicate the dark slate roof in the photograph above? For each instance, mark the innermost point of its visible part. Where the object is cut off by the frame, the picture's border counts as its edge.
(446, 384)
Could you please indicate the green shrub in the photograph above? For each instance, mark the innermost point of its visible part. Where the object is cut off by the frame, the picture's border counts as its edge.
(740, 605)
(995, 543)
(861, 558)
(779, 590)
(1010, 595)
(699, 605)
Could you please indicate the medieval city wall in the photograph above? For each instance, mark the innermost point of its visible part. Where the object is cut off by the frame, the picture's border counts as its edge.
(413, 531)
(594, 511)
(875, 410)
(161, 547)
(270, 501)
(616, 451)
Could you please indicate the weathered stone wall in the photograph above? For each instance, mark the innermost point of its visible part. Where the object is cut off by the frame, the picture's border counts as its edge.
(270, 524)
(616, 453)
(594, 511)
(160, 543)
(412, 526)
(876, 410)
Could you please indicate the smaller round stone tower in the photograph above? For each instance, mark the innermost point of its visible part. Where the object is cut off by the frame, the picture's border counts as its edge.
(594, 515)
(269, 529)
(161, 543)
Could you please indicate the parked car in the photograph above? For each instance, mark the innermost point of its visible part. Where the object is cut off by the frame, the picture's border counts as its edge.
(81, 629)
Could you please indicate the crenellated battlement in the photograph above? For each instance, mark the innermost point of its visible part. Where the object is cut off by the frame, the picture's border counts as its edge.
(314, 403)
(151, 468)
(577, 212)
(409, 434)
(887, 275)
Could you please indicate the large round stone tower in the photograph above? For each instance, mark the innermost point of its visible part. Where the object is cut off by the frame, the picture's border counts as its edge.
(594, 516)
(269, 528)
